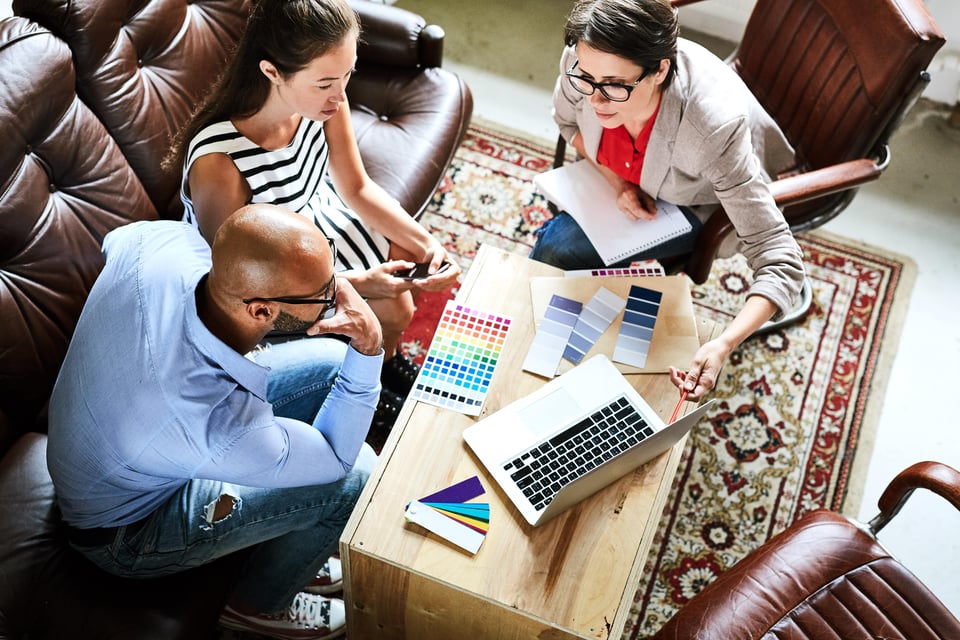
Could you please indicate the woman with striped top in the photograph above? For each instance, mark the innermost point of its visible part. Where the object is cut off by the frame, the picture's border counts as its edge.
(276, 128)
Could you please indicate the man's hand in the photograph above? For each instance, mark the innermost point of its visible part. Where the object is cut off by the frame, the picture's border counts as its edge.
(353, 318)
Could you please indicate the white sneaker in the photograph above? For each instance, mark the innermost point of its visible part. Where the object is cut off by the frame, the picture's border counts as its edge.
(329, 579)
(310, 617)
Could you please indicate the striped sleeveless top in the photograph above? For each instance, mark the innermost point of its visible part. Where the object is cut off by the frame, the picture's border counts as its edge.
(294, 177)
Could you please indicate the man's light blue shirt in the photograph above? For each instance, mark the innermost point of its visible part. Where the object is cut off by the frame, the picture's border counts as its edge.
(148, 398)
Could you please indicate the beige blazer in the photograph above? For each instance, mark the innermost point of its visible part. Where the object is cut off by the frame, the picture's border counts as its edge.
(711, 143)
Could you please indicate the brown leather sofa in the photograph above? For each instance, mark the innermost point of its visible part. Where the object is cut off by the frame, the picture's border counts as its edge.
(90, 93)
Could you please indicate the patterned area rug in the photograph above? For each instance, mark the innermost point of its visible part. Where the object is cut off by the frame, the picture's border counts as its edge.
(793, 427)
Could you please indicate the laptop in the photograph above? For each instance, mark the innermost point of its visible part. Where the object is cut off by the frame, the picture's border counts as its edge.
(572, 437)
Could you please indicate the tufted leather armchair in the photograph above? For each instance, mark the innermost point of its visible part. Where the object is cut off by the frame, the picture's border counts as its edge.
(826, 576)
(90, 93)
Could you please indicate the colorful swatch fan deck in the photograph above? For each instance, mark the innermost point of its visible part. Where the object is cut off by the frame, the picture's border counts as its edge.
(459, 366)
(447, 514)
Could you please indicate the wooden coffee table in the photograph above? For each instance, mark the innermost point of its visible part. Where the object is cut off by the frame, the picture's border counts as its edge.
(573, 577)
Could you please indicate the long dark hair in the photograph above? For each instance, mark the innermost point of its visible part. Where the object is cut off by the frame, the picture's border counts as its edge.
(642, 31)
(287, 33)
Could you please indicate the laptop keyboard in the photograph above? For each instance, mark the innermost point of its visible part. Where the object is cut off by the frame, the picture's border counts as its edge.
(543, 469)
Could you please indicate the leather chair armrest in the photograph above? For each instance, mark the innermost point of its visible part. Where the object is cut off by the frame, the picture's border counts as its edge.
(400, 98)
(396, 37)
(822, 182)
(932, 476)
(789, 190)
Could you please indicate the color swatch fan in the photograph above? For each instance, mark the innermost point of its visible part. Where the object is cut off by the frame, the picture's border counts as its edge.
(636, 330)
(552, 336)
(458, 369)
(448, 514)
(644, 324)
(598, 314)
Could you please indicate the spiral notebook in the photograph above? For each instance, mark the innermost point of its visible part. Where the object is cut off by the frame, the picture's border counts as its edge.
(580, 190)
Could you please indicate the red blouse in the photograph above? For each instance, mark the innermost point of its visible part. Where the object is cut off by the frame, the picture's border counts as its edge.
(623, 155)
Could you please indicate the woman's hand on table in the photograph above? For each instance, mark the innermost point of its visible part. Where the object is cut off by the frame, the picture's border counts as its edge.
(703, 373)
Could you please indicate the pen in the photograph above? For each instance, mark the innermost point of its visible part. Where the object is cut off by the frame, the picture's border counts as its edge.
(676, 411)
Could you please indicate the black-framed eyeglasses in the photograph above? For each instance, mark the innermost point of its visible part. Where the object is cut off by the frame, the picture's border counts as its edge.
(327, 302)
(612, 91)
(295, 300)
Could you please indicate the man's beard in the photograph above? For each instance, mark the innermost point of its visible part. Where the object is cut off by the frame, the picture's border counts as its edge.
(287, 323)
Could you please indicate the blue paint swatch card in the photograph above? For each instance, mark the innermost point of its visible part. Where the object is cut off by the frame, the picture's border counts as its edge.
(600, 312)
(636, 330)
(552, 336)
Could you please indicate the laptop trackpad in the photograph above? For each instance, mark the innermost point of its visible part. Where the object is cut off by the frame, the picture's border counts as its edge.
(553, 410)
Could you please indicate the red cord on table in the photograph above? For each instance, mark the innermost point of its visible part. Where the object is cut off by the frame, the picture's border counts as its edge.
(676, 411)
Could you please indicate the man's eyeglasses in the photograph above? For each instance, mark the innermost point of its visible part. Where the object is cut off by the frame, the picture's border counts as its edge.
(294, 300)
(612, 91)
(329, 303)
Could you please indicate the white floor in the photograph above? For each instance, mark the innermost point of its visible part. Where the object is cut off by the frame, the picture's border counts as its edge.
(914, 209)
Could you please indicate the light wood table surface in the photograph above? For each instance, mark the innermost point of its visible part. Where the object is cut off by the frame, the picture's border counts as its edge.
(573, 577)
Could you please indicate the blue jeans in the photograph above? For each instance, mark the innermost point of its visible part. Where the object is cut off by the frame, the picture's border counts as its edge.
(562, 243)
(294, 530)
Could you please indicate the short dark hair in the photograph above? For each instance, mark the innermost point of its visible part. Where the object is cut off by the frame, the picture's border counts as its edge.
(642, 31)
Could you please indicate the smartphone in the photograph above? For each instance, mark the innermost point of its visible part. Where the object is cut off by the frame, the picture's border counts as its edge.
(419, 271)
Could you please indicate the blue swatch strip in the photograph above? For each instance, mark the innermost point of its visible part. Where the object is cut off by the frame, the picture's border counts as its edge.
(636, 330)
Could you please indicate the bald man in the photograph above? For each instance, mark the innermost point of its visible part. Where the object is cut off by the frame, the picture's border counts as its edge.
(174, 439)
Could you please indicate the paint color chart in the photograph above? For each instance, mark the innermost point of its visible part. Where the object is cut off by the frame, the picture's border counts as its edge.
(636, 330)
(458, 369)
(624, 272)
(552, 335)
(600, 312)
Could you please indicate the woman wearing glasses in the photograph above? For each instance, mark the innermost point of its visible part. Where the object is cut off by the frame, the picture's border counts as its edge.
(276, 129)
(662, 118)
